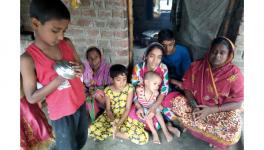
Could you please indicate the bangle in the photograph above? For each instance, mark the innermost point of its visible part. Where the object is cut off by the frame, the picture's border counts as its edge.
(193, 102)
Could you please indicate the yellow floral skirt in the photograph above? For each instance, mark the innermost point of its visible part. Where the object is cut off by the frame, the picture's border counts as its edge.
(101, 129)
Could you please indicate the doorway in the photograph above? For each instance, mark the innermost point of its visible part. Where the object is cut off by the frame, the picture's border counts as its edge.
(149, 17)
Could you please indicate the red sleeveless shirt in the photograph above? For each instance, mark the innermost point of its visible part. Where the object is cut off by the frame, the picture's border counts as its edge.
(69, 96)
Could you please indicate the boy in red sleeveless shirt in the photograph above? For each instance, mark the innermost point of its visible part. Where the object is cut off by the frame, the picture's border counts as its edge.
(65, 97)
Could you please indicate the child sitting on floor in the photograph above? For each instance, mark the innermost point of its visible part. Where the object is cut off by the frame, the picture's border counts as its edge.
(115, 121)
(147, 95)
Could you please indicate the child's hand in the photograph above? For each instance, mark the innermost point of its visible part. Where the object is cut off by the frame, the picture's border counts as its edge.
(60, 79)
(78, 68)
(150, 115)
(115, 127)
(140, 113)
(110, 115)
(152, 110)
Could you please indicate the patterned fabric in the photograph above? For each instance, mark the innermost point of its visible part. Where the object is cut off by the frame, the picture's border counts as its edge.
(95, 83)
(138, 73)
(102, 128)
(210, 87)
(228, 80)
(35, 132)
(221, 129)
(140, 69)
(100, 78)
(146, 103)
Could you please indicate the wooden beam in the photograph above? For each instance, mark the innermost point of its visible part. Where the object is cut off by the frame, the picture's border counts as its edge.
(130, 30)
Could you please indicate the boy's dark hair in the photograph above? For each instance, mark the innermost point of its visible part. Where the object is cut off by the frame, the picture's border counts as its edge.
(46, 10)
(93, 48)
(117, 69)
(165, 35)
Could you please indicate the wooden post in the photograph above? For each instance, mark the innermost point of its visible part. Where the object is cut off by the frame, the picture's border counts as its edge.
(130, 30)
(130, 37)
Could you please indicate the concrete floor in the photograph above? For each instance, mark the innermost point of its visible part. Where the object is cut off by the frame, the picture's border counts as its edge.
(185, 142)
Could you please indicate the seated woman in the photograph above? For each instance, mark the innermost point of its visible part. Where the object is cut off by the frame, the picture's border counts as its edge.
(152, 62)
(213, 95)
(96, 77)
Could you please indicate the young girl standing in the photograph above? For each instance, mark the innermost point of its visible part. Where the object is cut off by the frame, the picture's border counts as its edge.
(115, 121)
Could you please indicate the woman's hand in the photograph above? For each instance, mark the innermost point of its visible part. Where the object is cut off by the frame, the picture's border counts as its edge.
(140, 113)
(78, 68)
(176, 83)
(202, 112)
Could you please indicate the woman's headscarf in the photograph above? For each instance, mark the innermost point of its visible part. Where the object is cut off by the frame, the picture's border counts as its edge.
(215, 87)
(101, 77)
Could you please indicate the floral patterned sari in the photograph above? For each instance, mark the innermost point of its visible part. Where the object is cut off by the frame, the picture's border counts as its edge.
(212, 88)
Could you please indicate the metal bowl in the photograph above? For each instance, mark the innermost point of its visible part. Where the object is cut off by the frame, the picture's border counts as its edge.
(64, 69)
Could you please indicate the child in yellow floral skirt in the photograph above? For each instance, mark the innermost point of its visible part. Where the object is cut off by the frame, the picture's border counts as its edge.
(115, 121)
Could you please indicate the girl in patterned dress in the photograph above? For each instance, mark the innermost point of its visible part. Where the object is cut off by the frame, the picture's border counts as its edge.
(147, 96)
(115, 121)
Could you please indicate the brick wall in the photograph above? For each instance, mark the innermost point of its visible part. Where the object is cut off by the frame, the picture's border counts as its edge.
(101, 23)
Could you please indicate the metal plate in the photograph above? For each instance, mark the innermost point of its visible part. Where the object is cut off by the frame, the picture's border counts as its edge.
(64, 69)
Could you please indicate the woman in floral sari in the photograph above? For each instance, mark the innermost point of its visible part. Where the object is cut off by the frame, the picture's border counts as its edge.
(96, 78)
(152, 62)
(214, 92)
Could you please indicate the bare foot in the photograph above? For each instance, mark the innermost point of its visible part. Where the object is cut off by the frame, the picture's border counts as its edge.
(174, 130)
(156, 139)
(121, 135)
(211, 145)
(169, 137)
